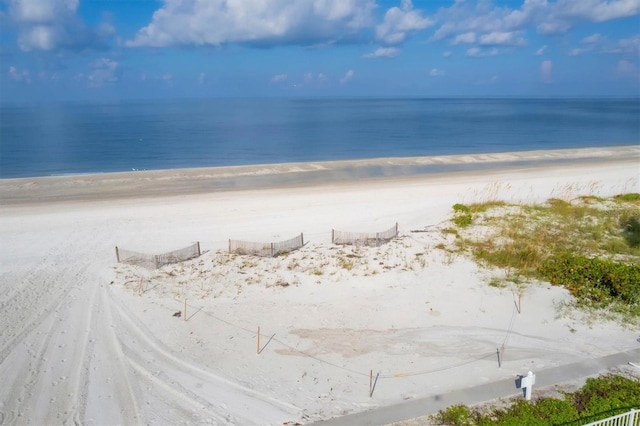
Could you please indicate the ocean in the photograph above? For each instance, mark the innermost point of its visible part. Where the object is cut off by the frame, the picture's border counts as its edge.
(76, 138)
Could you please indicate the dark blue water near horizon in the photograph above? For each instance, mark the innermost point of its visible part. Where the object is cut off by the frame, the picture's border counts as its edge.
(69, 138)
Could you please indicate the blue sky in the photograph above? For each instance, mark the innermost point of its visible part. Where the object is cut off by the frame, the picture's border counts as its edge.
(138, 49)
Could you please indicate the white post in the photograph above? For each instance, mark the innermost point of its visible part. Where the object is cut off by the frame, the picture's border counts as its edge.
(530, 382)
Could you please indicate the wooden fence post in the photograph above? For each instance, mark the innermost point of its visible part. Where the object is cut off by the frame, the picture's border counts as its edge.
(117, 254)
(229, 245)
(396, 229)
(199, 248)
(333, 236)
(370, 381)
(272, 249)
(301, 238)
(373, 385)
(519, 303)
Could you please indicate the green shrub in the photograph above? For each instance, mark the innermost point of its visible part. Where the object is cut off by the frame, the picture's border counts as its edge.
(606, 393)
(556, 411)
(462, 215)
(456, 415)
(594, 280)
(463, 220)
(520, 413)
(599, 398)
(631, 228)
(460, 208)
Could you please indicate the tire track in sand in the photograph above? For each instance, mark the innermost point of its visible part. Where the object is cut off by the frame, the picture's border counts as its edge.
(176, 385)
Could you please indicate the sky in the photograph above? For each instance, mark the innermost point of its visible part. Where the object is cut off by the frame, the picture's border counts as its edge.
(54, 50)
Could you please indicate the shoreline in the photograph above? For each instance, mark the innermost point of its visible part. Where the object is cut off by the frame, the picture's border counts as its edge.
(153, 183)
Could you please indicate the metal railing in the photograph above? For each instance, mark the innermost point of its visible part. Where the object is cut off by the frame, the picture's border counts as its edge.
(630, 418)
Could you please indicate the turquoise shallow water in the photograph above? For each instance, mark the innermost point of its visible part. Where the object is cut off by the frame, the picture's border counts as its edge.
(52, 139)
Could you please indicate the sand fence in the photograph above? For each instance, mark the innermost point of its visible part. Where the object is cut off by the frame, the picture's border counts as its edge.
(266, 249)
(270, 249)
(154, 261)
(362, 238)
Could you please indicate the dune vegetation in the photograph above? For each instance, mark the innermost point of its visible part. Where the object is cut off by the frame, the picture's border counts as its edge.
(589, 245)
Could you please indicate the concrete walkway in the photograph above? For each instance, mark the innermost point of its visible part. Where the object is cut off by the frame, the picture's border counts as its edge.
(482, 393)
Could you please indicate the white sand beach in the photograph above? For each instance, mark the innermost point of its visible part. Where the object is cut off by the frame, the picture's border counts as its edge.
(86, 339)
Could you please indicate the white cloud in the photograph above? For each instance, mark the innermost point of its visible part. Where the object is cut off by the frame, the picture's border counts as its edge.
(485, 18)
(310, 79)
(104, 72)
(594, 38)
(497, 38)
(627, 69)
(541, 50)
(17, 75)
(447, 53)
(399, 22)
(476, 51)
(548, 17)
(579, 51)
(596, 10)
(54, 25)
(469, 37)
(553, 28)
(347, 76)
(629, 46)
(435, 72)
(254, 22)
(473, 51)
(382, 52)
(38, 11)
(545, 71)
(626, 46)
(278, 78)
(562, 15)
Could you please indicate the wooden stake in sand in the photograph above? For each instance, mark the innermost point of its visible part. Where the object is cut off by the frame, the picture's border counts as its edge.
(370, 381)
(117, 255)
(258, 344)
(519, 303)
(373, 383)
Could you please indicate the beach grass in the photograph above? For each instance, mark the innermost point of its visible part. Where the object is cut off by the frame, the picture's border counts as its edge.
(590, 245)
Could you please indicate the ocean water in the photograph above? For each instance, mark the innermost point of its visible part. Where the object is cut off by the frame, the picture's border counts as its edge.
(68, 138)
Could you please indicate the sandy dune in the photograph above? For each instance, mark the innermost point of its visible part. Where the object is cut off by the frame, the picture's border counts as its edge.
(84, 339)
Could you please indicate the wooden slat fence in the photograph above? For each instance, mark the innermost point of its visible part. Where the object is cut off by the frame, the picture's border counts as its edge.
(266, 249)
(363, 238)
(153, 261)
